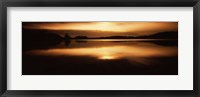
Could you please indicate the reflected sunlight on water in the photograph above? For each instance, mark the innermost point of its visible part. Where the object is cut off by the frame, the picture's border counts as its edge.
(138, 52)
(79, 57)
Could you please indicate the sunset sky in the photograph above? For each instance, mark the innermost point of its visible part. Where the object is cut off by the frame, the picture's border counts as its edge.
(104, 28)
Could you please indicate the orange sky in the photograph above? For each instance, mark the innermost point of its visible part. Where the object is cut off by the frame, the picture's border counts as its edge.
(138, 28)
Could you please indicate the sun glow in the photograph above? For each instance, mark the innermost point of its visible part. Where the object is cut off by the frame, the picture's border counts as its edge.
(101, 26)
(106, 26)
(112, 52)
(139, 28)
(107, 57)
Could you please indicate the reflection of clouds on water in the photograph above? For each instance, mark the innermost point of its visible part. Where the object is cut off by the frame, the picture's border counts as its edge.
(138, 52)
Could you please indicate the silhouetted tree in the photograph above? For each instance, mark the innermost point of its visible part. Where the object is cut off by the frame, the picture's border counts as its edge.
(67, 39)
(67, 36)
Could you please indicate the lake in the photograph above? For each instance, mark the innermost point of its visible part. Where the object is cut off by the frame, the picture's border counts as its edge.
(103, 57)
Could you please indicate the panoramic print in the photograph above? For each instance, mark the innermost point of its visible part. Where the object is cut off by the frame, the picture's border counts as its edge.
(100, 48)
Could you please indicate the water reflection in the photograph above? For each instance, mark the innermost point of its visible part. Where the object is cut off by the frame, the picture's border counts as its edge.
(121, 57)
(112, 52)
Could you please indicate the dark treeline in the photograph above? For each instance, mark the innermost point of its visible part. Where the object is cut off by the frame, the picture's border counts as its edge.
(33, 39)
(49, 35)
(161, 35)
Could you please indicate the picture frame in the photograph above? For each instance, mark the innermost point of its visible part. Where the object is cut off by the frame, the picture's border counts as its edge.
(103, 3)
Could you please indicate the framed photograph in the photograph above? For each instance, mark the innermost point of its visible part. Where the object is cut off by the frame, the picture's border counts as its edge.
(62, 48)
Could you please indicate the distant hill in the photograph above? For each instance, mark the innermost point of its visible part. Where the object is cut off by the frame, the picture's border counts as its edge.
(39, 38)
(51, 36)
(160, 35)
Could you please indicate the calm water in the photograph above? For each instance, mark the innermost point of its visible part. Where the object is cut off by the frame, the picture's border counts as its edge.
(103, 57)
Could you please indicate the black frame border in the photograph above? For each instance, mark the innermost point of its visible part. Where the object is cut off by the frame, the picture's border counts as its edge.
(103, 3)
